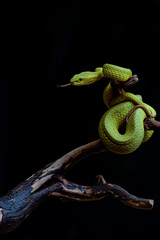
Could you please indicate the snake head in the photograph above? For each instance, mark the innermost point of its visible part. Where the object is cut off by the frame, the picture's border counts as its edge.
(85, 78)
(77, 80)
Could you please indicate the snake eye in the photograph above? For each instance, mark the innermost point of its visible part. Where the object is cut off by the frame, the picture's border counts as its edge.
(80, 79)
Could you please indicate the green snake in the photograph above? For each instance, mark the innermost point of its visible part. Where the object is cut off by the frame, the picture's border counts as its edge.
(121, 106)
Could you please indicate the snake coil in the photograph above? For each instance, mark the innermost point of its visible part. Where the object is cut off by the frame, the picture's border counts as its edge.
(120, 105)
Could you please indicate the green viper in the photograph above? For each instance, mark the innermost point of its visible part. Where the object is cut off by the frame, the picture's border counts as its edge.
(121, 106)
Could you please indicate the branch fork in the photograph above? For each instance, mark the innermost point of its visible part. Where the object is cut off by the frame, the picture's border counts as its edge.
(51, 182)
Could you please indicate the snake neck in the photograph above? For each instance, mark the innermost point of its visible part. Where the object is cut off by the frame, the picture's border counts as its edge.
(99, 73)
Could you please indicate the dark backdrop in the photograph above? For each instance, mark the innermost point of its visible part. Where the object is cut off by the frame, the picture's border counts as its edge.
(43, 44)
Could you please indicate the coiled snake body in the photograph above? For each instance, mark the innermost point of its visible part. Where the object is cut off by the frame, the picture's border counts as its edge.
(120, 105)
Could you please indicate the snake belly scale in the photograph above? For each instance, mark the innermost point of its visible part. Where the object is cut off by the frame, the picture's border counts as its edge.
(120, 105)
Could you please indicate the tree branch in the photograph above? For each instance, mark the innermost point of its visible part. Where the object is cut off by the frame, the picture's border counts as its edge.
(151, 124)
(51, 182)
(101, 190)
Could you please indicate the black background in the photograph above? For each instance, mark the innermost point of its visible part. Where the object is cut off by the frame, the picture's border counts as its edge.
(43, 44)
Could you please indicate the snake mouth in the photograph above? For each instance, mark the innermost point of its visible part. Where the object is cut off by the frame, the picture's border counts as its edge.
(74, 83)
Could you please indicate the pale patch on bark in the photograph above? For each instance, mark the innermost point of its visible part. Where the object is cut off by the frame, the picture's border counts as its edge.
(1, 215)
(39, 182)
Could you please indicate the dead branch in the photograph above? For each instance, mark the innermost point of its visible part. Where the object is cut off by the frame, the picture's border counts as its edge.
(51, 182)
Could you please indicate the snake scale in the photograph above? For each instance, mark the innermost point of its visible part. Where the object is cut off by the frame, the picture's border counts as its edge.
(120, 106)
